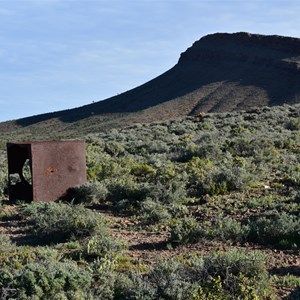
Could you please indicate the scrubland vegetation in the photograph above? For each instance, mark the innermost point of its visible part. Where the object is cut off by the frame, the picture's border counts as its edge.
(223, 190)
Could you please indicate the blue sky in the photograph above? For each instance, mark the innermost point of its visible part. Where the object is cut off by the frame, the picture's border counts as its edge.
(58, 54)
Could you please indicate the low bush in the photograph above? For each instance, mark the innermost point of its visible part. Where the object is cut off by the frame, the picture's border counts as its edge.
(243, 274)
(292, 178)
(207, 178)
(235, 262)
(184, 231)
(287, 281)
(60, 221)
(44, 274)
(89, 193)
(170, 193)
(5, 243)
(127, 188)
(140, 288)
(153, 212)
(171, 281)
(293, 124)
(44, 279)
(281, 231)
(231, 275)
(101, 245)
(227, 229)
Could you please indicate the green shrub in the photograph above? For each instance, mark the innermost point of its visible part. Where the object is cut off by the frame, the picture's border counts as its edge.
(178, 210)
(293, 124)
(227, 229)
(101, 245)
(127, 188)
(46, 280)
(140, 289)
(281, 231)
(89, 193)
(108, 284)
(54, 280)
(114, 148)
(171, 281)
(235, 262)
(153, 212)
(287, 281)
(5, 243)
(235, 178)
(209, 151)
(59, 221)
(293, 178)
(167, 173)
(231, 275)
(142, 170)
(184, 231)
(173, 192)
(156, 146)
(242, 273)
(207, 178)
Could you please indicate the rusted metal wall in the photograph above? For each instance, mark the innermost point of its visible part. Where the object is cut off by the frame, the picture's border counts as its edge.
(55, 167)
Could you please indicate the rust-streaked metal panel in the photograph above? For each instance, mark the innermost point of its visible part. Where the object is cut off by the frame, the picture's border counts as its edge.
(55, 167)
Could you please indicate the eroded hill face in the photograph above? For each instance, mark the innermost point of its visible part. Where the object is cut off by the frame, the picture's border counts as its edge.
(220, 72)
(248, 69)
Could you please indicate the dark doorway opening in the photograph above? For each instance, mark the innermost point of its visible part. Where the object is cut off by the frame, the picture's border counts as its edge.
(19, 172)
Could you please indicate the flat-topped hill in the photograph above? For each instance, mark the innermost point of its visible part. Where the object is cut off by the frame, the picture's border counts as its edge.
(220, 72)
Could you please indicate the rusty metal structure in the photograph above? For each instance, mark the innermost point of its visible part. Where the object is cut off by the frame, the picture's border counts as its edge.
(44, 171)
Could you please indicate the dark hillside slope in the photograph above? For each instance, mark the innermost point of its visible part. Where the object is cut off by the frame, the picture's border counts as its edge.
(220, 72)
